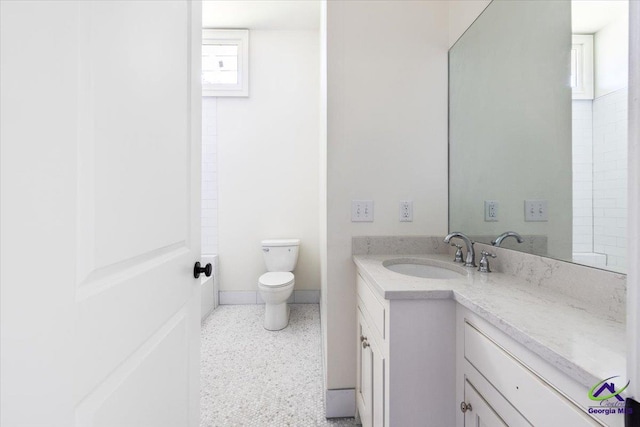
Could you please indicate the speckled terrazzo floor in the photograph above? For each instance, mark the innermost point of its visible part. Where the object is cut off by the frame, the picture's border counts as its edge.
(254, 377)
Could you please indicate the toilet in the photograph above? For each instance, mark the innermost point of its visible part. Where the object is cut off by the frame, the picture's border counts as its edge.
(276, 286)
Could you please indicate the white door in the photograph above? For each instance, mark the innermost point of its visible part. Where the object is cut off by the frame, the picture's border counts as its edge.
(100, 171)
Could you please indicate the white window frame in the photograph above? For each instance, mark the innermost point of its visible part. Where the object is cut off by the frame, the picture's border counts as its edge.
(238, 38)
(582, 51)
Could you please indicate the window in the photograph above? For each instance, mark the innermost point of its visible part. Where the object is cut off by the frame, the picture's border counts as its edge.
(225, 62)
(582, 67)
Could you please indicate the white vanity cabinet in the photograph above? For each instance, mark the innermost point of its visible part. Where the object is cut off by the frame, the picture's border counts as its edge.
(502, 389)
(505, 352)
(405, 360)
(370, 389)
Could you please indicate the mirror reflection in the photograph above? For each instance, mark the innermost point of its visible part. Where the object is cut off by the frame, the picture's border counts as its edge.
(538, 129)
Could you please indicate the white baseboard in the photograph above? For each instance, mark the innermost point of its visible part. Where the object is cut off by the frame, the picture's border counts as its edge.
(340, 403)
(254, 297)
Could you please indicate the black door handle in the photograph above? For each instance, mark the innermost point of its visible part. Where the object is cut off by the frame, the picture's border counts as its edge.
(197, 269)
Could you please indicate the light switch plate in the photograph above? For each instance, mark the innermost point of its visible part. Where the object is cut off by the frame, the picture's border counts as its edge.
(535, 211)
(362, 211)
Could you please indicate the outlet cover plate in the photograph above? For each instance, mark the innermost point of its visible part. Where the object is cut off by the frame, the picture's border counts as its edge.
(362, 211)
(406, 211)
(491, 210)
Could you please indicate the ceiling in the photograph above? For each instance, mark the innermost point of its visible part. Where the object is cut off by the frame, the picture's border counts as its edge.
(589, 16)
(262, 14)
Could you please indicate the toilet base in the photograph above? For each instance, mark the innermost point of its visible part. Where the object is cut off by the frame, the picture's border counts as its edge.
(276, 316)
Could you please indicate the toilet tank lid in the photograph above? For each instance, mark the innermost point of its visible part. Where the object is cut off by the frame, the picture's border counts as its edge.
(281, 242)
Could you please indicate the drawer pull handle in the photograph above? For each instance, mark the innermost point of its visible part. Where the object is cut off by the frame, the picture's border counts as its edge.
(365, 344)
(464, 407)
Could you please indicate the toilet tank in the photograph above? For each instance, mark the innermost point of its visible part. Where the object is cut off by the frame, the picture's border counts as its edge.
(280, 254)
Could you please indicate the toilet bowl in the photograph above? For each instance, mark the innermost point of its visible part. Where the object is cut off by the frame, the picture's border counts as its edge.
(276, 286)
(275, 289)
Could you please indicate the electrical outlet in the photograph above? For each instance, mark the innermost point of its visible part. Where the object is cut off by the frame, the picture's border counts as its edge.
(406, 211)
(490, 210)
(362, 211)
(535, 211)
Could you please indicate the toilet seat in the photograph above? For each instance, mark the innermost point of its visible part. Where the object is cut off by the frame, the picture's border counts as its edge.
(276, 279)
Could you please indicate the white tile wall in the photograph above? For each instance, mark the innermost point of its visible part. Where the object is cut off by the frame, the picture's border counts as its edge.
(582, 154)
(610, 177)
(209, 176)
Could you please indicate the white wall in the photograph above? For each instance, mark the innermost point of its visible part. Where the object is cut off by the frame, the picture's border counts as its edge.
(611, 57)
(268, 160)
(386, 141)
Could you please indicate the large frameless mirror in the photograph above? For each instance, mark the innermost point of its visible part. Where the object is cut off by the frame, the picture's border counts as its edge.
(538, 129)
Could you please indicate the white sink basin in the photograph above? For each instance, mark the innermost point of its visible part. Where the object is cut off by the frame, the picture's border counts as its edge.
(425, 269)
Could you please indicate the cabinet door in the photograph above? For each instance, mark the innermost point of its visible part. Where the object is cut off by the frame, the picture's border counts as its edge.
(370, 385)
(480, 414)
(378, 386)
(365, 374)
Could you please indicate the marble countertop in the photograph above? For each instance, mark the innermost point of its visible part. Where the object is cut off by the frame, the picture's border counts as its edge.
(563, 332)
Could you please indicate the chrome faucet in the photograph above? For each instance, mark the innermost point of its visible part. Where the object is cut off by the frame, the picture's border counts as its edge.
(471, 254)
(458, 255)
(498, 241)
(484, 262)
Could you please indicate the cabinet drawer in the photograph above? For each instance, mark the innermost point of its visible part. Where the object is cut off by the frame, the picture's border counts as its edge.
(374, 308)
(535, 398)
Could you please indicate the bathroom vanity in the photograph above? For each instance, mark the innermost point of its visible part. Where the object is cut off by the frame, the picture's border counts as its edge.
(521, 354)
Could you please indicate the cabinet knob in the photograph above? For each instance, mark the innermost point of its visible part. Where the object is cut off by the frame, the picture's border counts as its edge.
(464, 407)
(365, 344)
(362, 338)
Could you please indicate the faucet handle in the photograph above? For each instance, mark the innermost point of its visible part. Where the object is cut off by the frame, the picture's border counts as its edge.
(483, 265)
(458, 257)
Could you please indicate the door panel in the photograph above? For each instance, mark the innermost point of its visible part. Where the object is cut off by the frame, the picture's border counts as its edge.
(109, 336)
(144, 62)
(132, 80)
(142, 304)
(137, 381)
